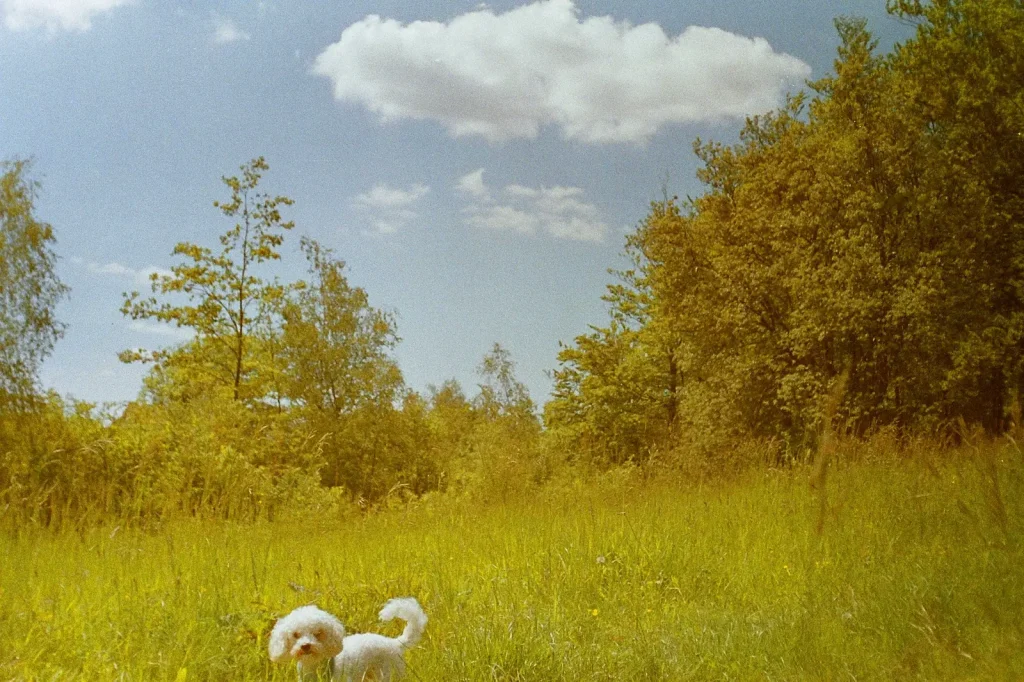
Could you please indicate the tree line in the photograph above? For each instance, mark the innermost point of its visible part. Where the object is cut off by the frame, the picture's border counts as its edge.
(285, 395)
(868, 234)
(855, 262)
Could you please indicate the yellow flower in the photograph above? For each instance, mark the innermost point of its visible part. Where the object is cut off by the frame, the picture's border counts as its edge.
(594, 612)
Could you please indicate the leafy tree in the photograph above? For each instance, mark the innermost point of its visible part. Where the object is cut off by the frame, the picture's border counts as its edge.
(501, 453)
(336, 371)
(451, 422)
(964, 68)
(378, 450)
(29, 286)
(501, 394)
(616, 388)
(870, 230)
(335, 346)
(227, 301)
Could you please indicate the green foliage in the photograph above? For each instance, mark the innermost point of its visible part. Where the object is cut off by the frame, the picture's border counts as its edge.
(337, 374)
(286, 398)
(872, 231)
(615, 392)
(502, 453)
(62, 465)
(29, 287)
(501, 394)
(451, 421)
(334, 345)
(488, 447)
(228, 303)
(376, 451)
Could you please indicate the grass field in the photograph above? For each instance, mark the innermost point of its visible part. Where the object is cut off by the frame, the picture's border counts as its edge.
(917, 573)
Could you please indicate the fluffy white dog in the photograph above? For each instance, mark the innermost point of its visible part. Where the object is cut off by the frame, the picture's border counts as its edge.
(312, 637)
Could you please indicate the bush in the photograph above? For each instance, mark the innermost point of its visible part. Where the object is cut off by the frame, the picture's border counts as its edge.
(208, 458)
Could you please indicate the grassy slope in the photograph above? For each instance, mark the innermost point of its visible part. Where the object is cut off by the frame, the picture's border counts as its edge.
(919, 573)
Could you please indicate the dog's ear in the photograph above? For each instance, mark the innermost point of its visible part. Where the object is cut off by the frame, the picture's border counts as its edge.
(333, 636)
(278, 646)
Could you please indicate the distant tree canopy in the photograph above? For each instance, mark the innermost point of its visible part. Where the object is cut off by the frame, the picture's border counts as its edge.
(873, 229)
(29, 287)
(334, 345)
(305, 370)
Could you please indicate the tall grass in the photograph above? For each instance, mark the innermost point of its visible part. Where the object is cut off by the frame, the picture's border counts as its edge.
(916, 574)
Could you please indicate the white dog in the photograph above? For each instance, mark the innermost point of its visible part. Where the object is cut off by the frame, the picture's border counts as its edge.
(310, 637)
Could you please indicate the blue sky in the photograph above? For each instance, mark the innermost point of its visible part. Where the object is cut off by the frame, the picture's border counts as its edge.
(476, 165)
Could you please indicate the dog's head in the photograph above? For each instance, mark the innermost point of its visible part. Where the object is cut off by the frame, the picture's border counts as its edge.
(307, 635)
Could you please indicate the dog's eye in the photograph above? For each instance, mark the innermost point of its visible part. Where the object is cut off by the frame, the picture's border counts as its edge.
(295, 635)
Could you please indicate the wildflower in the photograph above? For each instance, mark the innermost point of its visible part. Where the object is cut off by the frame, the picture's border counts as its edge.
(594, 612)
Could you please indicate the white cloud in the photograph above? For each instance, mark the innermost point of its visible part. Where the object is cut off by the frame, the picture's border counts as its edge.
(53, 15)
(144, 275)
(384, 196)
(507, 75)
(226, 31)
(160, 329)
(109, 269)
(141, 276)
(560, 212)
(473, 184)
(389, 209)
(501, 218)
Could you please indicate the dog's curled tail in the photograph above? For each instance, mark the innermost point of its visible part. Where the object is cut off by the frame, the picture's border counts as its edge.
(407, 609)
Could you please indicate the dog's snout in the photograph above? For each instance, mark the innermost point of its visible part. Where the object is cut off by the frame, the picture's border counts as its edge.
(305, 648)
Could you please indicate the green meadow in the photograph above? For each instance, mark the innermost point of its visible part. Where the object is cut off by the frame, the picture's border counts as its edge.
(889, 568)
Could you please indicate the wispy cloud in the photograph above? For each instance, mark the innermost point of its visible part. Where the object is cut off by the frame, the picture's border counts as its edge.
(141, 276)
(389, 209)
(160, 329)
(226, 31)
(560, 212)
(54, 15)
(599, 80)
(109, 269)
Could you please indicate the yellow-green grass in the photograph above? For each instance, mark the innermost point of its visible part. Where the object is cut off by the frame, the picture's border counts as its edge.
(918, 573)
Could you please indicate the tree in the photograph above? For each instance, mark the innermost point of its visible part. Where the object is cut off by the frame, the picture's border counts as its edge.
(615, 390)
(965, 67)
(227, 301)
(451, 421)
(335, 346)
(502, 453)
(336, 371)
(501, 394)
(29, 286)
(869, 230)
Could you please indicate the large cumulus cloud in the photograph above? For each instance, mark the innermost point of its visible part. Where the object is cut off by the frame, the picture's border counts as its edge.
(507, 75)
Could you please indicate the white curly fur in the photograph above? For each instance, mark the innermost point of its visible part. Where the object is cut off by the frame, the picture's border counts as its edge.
(307, 636)
(310, 637)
